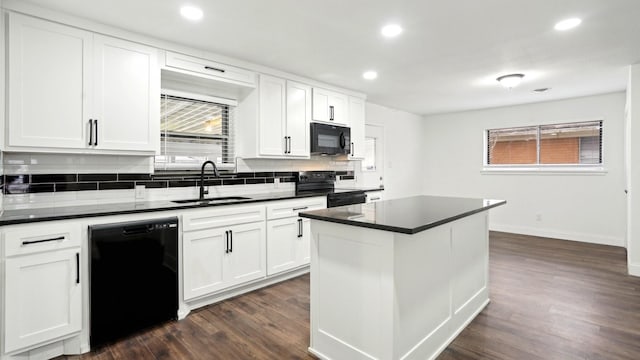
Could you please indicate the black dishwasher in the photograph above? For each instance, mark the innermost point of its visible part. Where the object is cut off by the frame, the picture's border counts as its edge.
(133, 277)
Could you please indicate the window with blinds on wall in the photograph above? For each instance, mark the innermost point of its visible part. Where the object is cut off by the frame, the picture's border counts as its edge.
(195, 129)
(578, 143)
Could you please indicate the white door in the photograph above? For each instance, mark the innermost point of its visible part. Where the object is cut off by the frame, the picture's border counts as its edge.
(205, 259)
(50, 72)
(272, 115)
(356, 123)
(372, 165)
(298, 118)
(43, 298)
(247, 253)
(282, 244)
(126, 95)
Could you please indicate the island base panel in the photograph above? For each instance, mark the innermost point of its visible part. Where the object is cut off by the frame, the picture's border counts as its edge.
(384, 295)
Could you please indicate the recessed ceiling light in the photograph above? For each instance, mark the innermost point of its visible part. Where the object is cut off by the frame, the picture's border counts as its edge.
(191, 13)
(567, 24)
(370, 75)
(391, 30)
(511, 80)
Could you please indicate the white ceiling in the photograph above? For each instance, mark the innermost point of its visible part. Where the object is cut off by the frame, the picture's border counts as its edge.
(446, 60)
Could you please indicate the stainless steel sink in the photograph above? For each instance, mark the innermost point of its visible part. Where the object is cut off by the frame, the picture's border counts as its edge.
(210, 200)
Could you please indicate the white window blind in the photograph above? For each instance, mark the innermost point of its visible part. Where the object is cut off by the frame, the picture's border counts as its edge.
(193, 131)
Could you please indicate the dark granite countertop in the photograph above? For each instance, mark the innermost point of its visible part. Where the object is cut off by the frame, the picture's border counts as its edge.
(407, 215)
(11, 217)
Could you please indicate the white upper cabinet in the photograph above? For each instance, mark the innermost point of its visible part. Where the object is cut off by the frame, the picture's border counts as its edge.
(272, 116)
(298, 118)
(212, 70)
(47, 101)
(330, 107)
(284, 114)
(356, 122)
(126, 95)
(72, 90)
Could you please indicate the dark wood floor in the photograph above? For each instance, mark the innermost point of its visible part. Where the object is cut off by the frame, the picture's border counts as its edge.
(550, 299)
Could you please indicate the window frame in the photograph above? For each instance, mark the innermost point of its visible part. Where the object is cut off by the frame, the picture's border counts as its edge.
(587, 169)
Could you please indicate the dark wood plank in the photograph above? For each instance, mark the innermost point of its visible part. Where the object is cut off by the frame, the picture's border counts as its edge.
(550, 299)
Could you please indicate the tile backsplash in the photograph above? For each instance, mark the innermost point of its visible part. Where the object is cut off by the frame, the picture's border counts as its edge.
(29, 180)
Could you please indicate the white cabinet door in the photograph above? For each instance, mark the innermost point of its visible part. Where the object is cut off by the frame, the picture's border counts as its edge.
(272, 116)
(320, 105)
(247, 253)
(338, 109)
(218, 258)
(282, 244)
(330, 107)
(304, 242)
(126, 95)
(356, 122)
(43, 298)
(298, 118)
(47, 99)
(204, 261)
(288, 244)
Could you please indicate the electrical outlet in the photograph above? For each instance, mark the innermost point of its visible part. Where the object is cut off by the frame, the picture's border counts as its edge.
(140, 192)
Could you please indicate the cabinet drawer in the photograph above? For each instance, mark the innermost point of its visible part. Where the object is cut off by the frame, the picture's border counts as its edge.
(222, 216)
(210, 68)
(288, 208)
(33, 238)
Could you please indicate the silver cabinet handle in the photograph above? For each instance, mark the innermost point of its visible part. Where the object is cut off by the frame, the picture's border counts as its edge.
(300, 208)
(299, 228)
(375, 198)
(331, 112)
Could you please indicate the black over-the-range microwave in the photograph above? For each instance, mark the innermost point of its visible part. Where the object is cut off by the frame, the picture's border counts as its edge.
(330, 139)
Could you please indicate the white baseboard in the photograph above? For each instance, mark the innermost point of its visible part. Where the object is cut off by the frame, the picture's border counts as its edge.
(634, 269)
(559, 234)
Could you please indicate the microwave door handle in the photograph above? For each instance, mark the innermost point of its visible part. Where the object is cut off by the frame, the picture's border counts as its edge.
(343, 142)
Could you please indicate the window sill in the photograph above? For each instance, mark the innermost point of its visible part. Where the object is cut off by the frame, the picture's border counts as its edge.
(544, 170)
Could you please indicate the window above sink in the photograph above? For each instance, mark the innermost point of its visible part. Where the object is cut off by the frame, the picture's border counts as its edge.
(195, 128)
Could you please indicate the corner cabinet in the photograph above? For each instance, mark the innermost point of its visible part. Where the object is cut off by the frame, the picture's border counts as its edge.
(330, 107)
(76, 91)
(43, 286)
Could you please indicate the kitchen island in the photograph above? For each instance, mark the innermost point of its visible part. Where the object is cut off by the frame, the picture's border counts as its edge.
(397, 279)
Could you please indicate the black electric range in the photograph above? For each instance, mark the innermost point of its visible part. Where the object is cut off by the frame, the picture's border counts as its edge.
(323, 182)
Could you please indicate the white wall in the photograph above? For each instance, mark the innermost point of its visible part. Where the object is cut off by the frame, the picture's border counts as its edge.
(403, 146)
(633, 170)
(582, 207)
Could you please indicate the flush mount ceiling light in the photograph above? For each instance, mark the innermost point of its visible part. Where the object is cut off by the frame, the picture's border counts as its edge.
(511, 80)
(191, 13)
(391, 30)
(567, 24)
(370, 75)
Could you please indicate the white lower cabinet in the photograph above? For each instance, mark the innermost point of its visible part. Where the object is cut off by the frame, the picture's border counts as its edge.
(220, 257)
(288, 244)
(43, 298)
(289, 236)
(43, 285)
